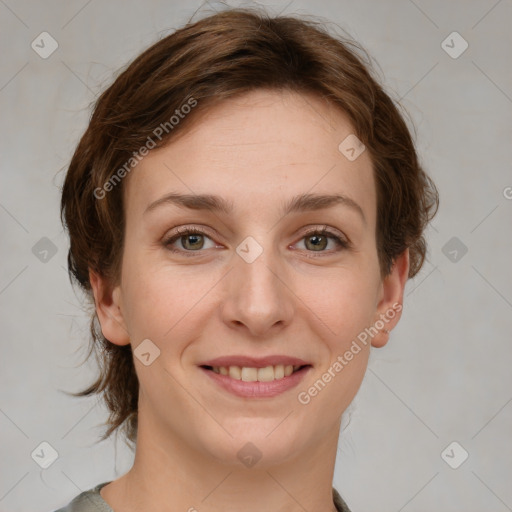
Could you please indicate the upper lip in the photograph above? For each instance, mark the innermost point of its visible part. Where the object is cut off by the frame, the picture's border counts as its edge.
(254, 362)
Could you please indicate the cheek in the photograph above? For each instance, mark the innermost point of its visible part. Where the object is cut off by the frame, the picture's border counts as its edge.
(160, 301)
(341, 308)
(342, 300)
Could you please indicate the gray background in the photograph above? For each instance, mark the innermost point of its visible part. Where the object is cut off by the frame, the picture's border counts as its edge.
(445, 374)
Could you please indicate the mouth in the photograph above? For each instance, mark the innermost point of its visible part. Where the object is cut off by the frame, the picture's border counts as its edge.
(252, 374)
(252, 382)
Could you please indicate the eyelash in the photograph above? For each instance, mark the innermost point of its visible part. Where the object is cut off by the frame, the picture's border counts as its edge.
(341, 242)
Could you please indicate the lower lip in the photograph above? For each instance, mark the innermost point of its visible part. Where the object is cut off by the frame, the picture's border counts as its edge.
(257, 389)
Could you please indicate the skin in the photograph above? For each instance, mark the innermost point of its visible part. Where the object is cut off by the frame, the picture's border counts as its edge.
(257, 151)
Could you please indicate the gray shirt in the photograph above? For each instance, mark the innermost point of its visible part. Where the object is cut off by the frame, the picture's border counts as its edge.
(91, 501)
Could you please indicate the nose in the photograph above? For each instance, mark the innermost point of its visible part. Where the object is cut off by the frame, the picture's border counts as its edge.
(258, 299)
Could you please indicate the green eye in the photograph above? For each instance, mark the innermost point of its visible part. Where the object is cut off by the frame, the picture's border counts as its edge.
(318, 241)
(190, 239)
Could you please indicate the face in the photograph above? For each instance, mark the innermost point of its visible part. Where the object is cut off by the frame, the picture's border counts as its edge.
(251, 236)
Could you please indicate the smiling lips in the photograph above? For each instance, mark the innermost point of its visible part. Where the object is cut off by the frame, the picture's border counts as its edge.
(250, 369)
(256, 377)
(251, 374)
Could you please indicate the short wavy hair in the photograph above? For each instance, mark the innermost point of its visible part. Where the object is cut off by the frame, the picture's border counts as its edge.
(219, 57)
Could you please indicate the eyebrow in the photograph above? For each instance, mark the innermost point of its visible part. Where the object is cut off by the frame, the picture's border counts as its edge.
(300, 203)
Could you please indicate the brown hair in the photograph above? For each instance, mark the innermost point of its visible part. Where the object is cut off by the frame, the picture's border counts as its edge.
(205, 62)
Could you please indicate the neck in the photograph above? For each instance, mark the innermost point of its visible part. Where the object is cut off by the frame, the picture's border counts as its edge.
(170, 474)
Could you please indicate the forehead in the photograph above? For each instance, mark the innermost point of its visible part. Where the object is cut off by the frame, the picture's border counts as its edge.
(257, 148)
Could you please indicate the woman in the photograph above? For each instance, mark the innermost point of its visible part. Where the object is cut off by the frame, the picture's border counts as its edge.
(244, 208)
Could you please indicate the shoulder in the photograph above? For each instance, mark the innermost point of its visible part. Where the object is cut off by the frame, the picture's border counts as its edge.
(91, 501)
(339, 503)
(88, 501)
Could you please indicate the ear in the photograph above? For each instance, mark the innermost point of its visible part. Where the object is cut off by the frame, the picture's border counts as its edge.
(108, 309)
(389, 308)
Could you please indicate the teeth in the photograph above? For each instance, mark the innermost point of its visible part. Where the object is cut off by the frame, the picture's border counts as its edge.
(266, 374)
(235, 372)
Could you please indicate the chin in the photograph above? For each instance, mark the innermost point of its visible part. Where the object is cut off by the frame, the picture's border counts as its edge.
(256, 443)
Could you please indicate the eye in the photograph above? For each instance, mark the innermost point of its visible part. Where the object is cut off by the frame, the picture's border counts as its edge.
(318, 240)
(189, 240)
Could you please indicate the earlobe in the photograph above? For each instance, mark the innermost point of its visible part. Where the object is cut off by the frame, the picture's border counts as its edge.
(389, 309)
(107, 300)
